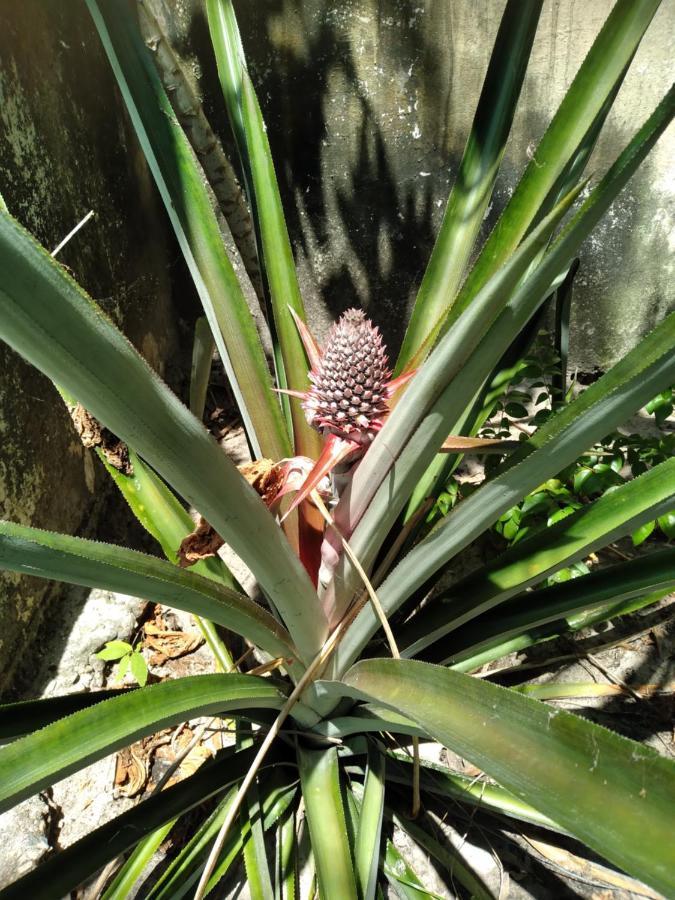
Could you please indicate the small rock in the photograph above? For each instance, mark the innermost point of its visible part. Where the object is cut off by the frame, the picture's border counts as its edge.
(25, 840)
(104, 617)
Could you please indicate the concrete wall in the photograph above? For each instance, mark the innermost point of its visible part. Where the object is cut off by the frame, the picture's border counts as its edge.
(368, 105)
(66, 147)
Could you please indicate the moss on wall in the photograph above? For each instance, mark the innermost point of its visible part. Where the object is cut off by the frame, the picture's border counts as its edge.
(66, 146)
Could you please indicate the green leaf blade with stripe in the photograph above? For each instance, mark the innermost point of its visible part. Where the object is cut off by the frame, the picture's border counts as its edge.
(38, 760)
(275, 247)
(615, 795)
(93, 564)
(477, 174)
(189, 208)
(613, 515)
(594, 84)
(320, 781)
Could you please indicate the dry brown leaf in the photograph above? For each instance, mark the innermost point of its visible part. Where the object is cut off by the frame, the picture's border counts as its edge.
(194, 760)
(202, 543)
(93, 434)
(131, 770)
(460, 444)
(270, 666)
(169, 644)
(265, 477)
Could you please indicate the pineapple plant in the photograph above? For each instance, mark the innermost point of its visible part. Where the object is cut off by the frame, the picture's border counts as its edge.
(335, 714)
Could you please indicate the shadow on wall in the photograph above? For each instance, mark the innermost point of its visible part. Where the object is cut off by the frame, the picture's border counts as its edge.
(362, 233)
(368, 106)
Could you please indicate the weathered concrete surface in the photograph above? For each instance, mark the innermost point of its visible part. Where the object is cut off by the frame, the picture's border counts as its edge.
(368, 105)
(66, 147)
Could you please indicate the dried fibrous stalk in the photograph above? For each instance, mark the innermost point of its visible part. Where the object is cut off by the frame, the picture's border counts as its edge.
(206, 145)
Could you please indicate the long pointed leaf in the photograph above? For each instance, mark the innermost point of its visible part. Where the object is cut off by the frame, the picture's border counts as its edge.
(214, 162)
(24, 716)
(89, 563)
(539, 634)
(615, 514)
(62, 872)
(477, 173)
(376, 474)
(159, 511)
(180, 183)
(200, 371)
(435, 399)
(604, 406)
(561, 604)
(47, 318)
(616, 396)
(468, 791)
(277, 256)
(402, 878)
(38, 760)
(614, 794)
(287, 858)
(161, 514)
(134, 866)
(258, 878)
(184, 870)
(320, 780)
(369, 834)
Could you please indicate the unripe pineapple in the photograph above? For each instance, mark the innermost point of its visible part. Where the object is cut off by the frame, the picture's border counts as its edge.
(348, 395)
(350, 380)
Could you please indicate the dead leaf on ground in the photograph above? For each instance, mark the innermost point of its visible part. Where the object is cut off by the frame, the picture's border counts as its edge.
(198, 755)
(131, 771)
(94, 435)
(133, 764)
(169, 644)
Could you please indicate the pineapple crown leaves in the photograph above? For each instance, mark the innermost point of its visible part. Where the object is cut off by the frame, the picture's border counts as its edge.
(349, 392)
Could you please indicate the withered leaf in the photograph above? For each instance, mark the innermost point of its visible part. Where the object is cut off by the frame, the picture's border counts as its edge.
(169, 644)
(265, 477)
(131, 770)
(94, 435)
(202, 543)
